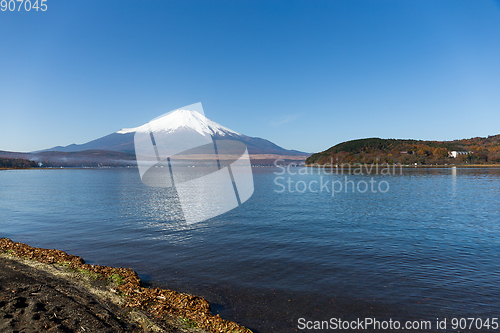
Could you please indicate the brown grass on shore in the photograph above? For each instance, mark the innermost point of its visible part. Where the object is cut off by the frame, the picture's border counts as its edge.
(158, 302)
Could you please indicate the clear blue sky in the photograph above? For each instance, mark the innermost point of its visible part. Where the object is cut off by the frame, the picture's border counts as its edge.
(303, 74)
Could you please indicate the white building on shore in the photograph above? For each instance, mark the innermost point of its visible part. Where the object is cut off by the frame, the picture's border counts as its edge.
(455, 153)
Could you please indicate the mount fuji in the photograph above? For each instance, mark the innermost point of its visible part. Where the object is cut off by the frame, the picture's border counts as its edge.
(261, 151)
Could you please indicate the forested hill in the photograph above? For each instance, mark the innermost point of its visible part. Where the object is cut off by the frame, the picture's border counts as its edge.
(16, 163)
(376, 150)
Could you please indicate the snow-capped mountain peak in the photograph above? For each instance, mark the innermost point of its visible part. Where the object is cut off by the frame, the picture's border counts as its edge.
(177, 125)
(182, 119)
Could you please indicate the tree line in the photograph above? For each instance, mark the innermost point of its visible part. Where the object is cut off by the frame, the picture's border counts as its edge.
(408, 152)
(17, 163)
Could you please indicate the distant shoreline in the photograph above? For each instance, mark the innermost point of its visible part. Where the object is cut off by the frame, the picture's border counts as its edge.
(19, 168)
(353, 166)
(68, 167)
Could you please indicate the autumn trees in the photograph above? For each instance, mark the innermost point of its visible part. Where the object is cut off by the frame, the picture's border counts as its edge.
(406, 152)
(17, 163)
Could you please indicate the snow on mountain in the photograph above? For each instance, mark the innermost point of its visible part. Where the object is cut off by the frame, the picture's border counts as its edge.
(176, 122)
(183, 119)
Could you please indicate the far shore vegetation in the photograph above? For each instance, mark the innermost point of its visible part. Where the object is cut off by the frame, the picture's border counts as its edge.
(17, 163)
(466, 152)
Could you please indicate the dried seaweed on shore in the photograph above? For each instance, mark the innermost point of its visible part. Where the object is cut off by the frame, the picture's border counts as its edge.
(161, 303)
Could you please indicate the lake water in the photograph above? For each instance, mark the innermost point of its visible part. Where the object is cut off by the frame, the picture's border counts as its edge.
(427, 248)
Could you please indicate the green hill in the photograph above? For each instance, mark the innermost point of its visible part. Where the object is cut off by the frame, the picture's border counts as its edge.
(16, 163)
(376, 150)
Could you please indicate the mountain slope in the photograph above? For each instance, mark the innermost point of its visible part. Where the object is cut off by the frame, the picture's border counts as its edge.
(123, 140)
(112, 142)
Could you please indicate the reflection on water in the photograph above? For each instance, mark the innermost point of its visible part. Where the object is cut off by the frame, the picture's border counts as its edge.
(454, 181)
(427, 248)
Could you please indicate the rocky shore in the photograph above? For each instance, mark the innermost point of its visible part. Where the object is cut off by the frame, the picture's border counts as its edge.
(50, 290)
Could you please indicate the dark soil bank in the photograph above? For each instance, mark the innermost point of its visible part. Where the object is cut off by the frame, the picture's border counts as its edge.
(50, 290)
(35, 301)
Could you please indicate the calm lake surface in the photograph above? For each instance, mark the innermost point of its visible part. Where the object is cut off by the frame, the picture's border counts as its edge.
(427, 248)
